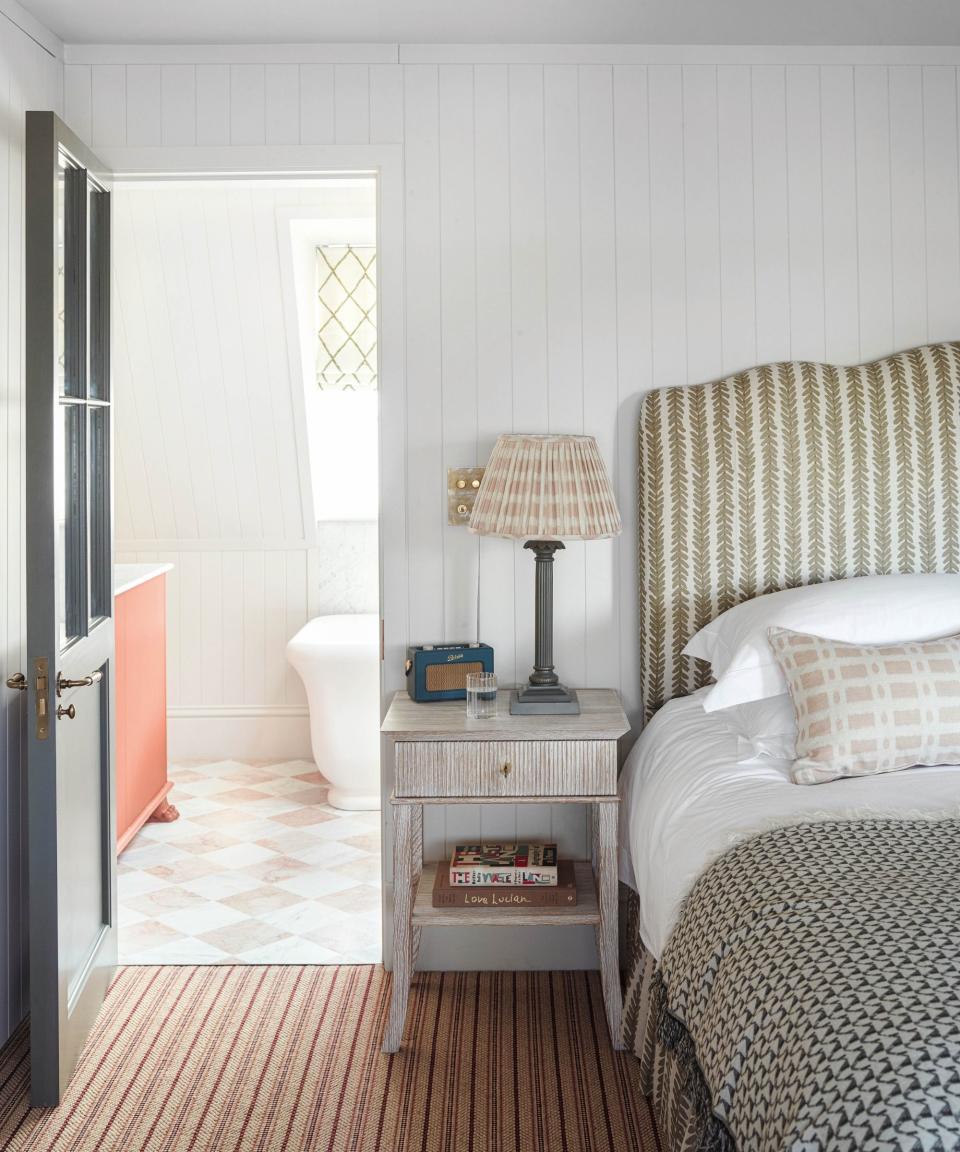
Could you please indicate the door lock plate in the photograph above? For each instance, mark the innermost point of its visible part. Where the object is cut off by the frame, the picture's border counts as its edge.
(42, 682)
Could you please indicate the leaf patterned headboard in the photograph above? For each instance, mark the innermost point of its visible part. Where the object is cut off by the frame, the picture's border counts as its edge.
(784, 475)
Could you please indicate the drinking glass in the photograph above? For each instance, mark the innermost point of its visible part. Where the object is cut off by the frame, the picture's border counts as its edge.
(481, 695)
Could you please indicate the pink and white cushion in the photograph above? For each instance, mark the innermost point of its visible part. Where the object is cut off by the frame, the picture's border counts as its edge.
(865, 709)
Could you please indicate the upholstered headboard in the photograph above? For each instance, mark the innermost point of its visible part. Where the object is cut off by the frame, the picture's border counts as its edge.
(784, 475)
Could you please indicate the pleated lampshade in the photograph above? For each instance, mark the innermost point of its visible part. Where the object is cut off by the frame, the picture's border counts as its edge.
(545, 488)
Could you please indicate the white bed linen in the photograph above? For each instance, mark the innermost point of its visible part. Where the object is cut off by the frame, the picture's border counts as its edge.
(685, 800)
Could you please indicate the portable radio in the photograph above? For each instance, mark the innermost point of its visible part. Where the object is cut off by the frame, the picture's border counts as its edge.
(439, 671)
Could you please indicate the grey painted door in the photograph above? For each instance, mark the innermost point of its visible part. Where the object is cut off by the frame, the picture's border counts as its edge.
(71, 821)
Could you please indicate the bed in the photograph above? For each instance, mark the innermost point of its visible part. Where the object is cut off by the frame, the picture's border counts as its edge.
(791, 955)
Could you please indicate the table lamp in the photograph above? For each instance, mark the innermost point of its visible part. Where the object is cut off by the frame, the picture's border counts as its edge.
(544, 490)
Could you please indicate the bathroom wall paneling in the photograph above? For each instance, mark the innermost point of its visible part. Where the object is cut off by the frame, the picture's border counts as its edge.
(581, 224)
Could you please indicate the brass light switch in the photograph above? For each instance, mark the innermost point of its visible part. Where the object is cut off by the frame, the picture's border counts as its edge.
(462, 487)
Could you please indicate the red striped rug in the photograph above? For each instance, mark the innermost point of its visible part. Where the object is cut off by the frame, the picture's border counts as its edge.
(288, 1058)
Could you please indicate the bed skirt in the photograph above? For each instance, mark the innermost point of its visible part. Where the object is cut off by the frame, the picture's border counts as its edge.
(669, 1071)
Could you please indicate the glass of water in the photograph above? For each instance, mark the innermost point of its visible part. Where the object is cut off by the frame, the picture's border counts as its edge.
(481, 696)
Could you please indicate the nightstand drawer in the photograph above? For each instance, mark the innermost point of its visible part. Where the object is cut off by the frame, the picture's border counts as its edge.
(506, 768)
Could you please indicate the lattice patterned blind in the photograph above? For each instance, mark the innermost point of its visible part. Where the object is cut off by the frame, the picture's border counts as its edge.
(347, 317)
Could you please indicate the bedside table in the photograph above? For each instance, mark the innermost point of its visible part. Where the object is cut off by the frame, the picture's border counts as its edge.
(442, 757)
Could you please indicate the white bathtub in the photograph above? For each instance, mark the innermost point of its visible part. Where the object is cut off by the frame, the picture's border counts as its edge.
(338, 659)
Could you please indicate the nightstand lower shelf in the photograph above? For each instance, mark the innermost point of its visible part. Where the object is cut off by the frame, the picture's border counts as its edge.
(585, 911)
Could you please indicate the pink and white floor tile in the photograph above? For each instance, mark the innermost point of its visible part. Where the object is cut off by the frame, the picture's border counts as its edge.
(259, 869)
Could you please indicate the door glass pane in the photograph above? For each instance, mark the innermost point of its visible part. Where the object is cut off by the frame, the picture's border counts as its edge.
(70, 490)
(75, 281)
(59, 365)
(100, 584)
(99, 209)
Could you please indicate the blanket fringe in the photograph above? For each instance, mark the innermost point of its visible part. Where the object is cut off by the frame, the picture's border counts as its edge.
(673, 1035)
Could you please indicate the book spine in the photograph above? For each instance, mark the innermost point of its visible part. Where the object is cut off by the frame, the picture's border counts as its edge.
(467, 877)
(507, 877)
(538, 877)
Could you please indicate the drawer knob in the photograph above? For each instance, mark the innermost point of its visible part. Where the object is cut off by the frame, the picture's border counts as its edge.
(507, 768)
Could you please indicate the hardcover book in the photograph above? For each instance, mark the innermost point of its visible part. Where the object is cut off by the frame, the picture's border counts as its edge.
(504, 865)
(563, 894)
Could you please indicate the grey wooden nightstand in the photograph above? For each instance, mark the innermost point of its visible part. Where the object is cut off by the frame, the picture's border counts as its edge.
(444, 758)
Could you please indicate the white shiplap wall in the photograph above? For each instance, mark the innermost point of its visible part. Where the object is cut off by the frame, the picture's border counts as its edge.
(30, 77)
(577, 233)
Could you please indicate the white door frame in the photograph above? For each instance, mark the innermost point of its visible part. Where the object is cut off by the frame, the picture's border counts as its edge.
(385, 163)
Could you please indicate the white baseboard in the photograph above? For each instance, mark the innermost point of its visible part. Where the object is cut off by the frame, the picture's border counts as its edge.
(239, 732)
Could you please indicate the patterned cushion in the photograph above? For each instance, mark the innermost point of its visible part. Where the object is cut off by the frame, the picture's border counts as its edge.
(868, 709)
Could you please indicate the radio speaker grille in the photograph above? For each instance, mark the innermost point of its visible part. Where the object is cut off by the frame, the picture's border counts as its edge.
(450, 677)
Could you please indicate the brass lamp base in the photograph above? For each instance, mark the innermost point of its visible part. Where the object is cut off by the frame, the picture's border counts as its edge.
(544, 700)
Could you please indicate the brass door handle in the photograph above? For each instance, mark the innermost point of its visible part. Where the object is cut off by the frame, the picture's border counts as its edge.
(83, 682)
(68, 712)
(17, 682)
(506, 769)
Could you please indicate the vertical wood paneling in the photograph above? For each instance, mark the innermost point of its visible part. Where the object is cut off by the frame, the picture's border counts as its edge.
(771, 229)
(317, 104)
(425, 525)
(282, 95)
(213, 104)
(143, 105)
(599, 308)
(247, 104)
(564, 339)
(178, 83)
(908, 231)
(211, 388)
(873, 222)
(805, 213)
(940, 201)
(667, 261)
(494, 343)
(213, 689)
(458, 329)
(386, 104)
(841, 282)
(528, 278)
(424, 385)
(179, 364)
(735, 185)
(634, 335)
(78, 99)
(351, 84)
(581, 234)
(701, 209)
(108, 105)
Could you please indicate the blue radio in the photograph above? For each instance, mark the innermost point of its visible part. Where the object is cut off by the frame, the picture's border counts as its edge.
(439, 671)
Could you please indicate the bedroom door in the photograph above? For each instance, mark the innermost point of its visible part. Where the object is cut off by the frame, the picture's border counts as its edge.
(69, 677)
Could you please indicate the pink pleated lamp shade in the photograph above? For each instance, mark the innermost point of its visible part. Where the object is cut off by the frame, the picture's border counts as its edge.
(545, 488)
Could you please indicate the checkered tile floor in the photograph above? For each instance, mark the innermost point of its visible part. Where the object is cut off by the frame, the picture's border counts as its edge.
(259, 869)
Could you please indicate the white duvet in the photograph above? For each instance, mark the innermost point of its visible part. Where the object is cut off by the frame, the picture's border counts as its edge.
(685, 800)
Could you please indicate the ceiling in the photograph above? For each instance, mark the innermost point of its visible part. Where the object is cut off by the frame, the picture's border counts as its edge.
(502, 21)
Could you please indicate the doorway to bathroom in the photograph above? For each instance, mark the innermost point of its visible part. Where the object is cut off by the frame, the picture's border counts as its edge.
(245, 361)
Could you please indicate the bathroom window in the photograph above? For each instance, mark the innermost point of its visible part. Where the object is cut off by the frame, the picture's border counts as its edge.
(343, 407)
(346, 318)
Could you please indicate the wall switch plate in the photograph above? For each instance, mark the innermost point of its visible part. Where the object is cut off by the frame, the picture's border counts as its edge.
(462, 487)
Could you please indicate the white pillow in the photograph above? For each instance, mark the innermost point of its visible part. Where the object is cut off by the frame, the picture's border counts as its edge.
(765, 729)
(864, 610)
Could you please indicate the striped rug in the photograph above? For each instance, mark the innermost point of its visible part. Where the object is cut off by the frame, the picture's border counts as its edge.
(288, 1058)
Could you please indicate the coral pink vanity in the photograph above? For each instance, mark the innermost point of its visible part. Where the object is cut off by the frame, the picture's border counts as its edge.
(140, 619)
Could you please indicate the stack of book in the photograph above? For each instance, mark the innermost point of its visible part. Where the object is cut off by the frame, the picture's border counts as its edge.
(508, 875)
